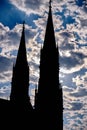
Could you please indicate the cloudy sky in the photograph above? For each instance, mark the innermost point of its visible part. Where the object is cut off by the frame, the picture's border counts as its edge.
(70, 24)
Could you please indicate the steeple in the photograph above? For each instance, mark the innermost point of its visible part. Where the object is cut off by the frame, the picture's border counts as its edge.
(21, 57)
(49, 102)
(49, 34)
(20, 78)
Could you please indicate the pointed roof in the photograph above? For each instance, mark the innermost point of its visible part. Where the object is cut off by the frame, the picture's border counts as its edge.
(49, 34)
(21, 56)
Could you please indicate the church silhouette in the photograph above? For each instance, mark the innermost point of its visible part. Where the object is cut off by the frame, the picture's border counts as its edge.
(47, 112)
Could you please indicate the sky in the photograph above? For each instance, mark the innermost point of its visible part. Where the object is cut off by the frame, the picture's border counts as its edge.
(70, 24)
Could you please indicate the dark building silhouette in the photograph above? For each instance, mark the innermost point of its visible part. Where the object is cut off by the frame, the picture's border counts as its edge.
(47, 112)
(49, 101)
(19, 97)
(20, 80)
(18, 111)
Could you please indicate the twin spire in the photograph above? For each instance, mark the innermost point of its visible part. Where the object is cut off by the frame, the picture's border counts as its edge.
(21, 56)
(22, 46)
(48, 109)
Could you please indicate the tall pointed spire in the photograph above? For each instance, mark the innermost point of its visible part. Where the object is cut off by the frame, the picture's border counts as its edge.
(49, 34)
(49, 97)
(20, 79)
(22, 57)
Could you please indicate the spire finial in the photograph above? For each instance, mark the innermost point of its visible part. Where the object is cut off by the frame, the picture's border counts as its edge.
(50, 3)
(23, 23)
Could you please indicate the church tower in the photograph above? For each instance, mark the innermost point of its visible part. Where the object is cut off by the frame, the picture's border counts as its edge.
(20, 79)
(49, 98)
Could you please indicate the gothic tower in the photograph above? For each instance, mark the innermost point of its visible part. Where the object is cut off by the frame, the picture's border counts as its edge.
(20, 80)
(49, 101)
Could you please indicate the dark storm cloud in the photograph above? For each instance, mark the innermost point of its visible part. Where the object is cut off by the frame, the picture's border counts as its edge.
(29, 34)
(65, 46)
(75, 59)
(67, 89)
(83, 22)
(5, 64)
(79, 93)
(32, 63)
(10, 38)
(65, 34)
(33, 4)
(14, 37)
(76, 106)
(33, 78)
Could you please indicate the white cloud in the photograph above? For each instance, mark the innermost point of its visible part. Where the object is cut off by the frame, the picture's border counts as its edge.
(73, 55)
(29, 6)
(6, 76)
(4, 92)
(9, 47)
(80, 80)
(11, 38)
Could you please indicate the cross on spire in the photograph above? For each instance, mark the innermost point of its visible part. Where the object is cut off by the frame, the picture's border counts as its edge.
(23, 24)
(50, 3)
